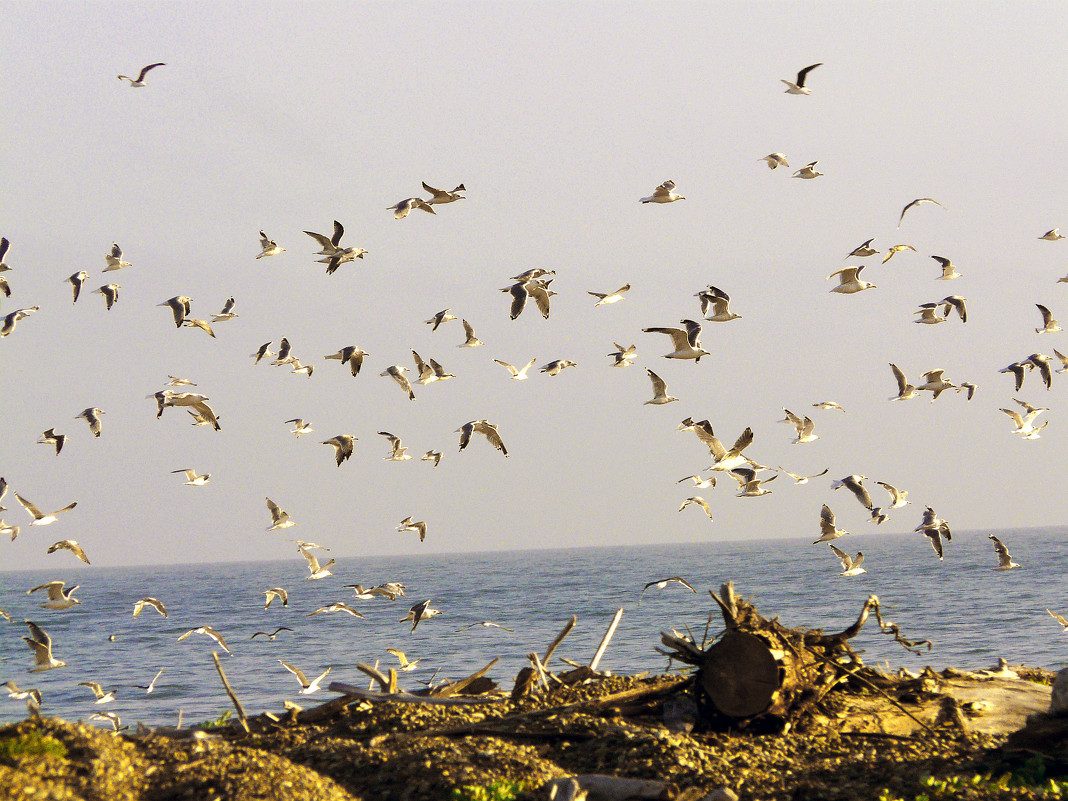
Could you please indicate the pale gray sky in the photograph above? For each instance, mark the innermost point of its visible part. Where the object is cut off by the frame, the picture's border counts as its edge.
(557, 117)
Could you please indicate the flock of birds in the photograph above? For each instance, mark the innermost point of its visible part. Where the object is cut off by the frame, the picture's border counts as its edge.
(536, 286)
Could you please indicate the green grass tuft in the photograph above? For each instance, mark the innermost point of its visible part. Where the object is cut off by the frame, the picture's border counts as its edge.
(31, 744)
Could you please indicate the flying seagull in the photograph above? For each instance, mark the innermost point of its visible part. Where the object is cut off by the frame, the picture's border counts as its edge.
(750, 485)
(933, 527)
(557, 366)
(1004, 559)
(402, 208)
(418, 526)
(300, 426)
(798, 87)
(50, 437)
(271, 594)
(486, 624)
(864, 250)
(211, 633)
(227, 312)
(279, 517)
(665, 193)
(517, 374)
(1049, 325)
(851, 565)
(799, 479)
(270, 635)
(432, 456)
(1059, 619)
(719, 303)
(660, 393)
(775, 160)
(892, 251)
(101, 696)
(139, 81)
(180, 307)
(76, 282)
(154, 603)
(343, 445)
(114, 259)
(471, 340)
(444, 196)
(39, 517)
(58, 597)
(1052, 235)
(110, 293)
(949, 270)
(661, 583)
(854, 485)
(484, 427)
(192, 478)
(849, 281)
(808, 172)
(268, 247)
(405, 665)
(306, 687)
(396, 372)
(333, 254)
(916, 202)
(41, 645)
(828, 530)
(339, 606)
(604, 298)
(420, 612)
(686, 341)
(92, 417)
(151, 686)
(443, 316)
(315, 570)
(69, 545)
(623, 356)
(697, 500)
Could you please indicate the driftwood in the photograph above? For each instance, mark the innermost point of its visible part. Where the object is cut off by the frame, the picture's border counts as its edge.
(230, 692)
(760, 671)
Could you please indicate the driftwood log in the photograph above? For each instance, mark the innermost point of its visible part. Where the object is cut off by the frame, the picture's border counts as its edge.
(761, 673)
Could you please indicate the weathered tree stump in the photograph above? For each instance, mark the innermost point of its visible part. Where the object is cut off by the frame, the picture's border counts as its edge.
(761, 673)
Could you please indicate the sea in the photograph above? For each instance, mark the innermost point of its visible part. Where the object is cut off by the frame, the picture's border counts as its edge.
(971, 614)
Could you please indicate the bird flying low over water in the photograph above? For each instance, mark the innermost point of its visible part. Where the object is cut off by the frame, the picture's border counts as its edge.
(315, 570)
(420, 612)
(41, 645)
(1060, 619)
(208, 630)
(69, 545)
(139, 81)
(154, 603)
(851, 565)
(828, 530)
(933, 527)
(271, 594)
(484, 427)
(1004, 559)
(665, 193)
(798, 87)
(58, 597)
(661, 583)
(306, 687)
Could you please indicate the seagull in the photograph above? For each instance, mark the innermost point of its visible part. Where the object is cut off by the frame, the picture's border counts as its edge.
(534, 288)
(211, 633)
(686, 341)
(114, 259)
(148, 688)
(1049, 325)
(697, 500)
(343, 446)
(827, 405)
(851, 565)
(1041, 361)
(110, 293)
(936, 384)
(484, 427)
(698, 481)
(139, 81)
(69, 545)
(878, 516)
(268, 246)
(775, 160)
(471, 341)
(335, 255)
(751, 487)
(315, 570)
(203, 325)
(954, 302)
(719, 302)
(180, 306)
(898, 498)
(402, 208)
(798, 479)
(76, 282)
(9, 529)
(660, 394)
(1017, 369)
(5, 287)
(429, 373)
(41, 645)
(11, 319)
(662, 583)
(175, 381)
(405, 665)
(339, 606)
(929, 314)
(932, 526)
(486, 624)
(828, 530)
(431, 456)
(809, 171)
(442, 196)
(154, 603)
(192, 479)
(1054, 615)
(1063, 360)
(517, 375)
(853, 484)
(50, 437)
(19, 695)
(398, 452)
(949, 270)
(4, 245)
(799, 87)
(396, 372)
(1024, 424)
(270, 635)
(890, 252)
(227, 312)
(969, 387)
(351, 355)
(604, 298)
(723, 459)
(306, 687)
(300, 426)
(420, 612)
(916, 202)
(1052, 235)
(665, 193)
(418, 526)
(279, 517)
(263, 351)
(271, 594)
(849, 281)
(805, 432)
(39, 517)
(101, 696)
(58, 598)
(443, 316)
(1004, 558)
(92, 417)
(862, 251)
(557, 366)
(624, 356)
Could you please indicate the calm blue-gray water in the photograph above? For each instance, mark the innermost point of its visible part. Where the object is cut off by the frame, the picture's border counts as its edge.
(972, 614)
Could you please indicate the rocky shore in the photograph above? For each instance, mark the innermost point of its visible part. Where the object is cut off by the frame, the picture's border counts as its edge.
(857, 746)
